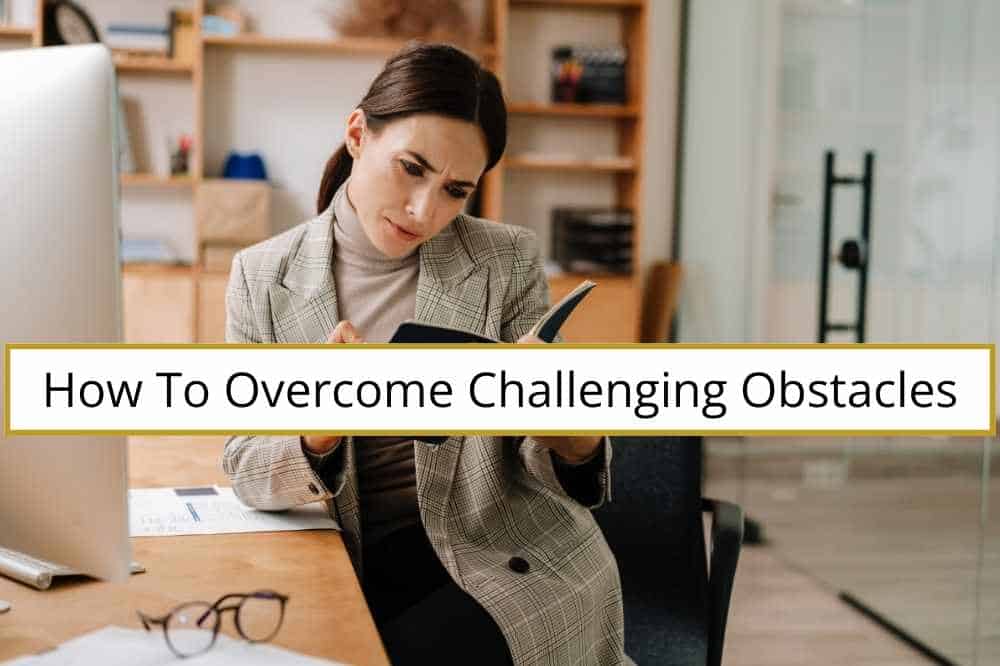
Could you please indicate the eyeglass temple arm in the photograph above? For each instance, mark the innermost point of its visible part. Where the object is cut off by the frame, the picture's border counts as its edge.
(148, 620)
(260, 594)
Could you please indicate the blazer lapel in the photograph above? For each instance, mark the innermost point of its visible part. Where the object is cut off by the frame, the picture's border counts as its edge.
(304, 305)
(304, 310)
(452, 291)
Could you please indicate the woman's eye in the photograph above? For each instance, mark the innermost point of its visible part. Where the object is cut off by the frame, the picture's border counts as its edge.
(457, 193)
(411, 168)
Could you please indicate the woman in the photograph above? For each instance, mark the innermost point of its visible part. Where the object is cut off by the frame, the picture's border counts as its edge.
(476, 547)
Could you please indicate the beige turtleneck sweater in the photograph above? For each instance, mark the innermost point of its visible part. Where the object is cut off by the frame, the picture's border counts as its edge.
(375, 293)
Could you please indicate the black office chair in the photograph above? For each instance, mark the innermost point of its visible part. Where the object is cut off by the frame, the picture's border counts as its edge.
(675, 604)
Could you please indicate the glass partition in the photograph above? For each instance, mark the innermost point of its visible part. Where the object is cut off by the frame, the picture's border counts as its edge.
(905, 528)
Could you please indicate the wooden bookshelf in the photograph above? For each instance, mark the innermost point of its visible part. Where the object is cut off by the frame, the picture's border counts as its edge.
(149, 65)
(574, 110)
(611, 164)
(15, 32)
(158, 268)
(608, 315)
(200, 291)
(334, 46)
(585, 4)
(614, 310)
(342, 46)
(149, 180)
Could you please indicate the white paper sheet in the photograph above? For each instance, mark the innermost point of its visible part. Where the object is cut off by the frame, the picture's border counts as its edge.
(117, 646)
(213, 510)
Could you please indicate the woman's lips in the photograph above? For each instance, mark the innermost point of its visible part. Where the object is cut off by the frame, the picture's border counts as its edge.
(401, 232)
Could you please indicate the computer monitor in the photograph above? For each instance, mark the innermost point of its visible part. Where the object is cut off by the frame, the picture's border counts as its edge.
(62, 499)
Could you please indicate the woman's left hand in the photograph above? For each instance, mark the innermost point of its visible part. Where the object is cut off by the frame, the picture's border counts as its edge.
(572, 449)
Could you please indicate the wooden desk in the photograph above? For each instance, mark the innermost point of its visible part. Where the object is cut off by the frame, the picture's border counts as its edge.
(326, 615)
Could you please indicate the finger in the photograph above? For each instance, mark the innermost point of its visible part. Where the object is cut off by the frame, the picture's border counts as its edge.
(344, 332)
(528, 338)
(337, 335)
(350, 333)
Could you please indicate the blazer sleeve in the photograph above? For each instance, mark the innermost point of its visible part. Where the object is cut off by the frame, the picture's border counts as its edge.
(270, 473)
(526, 301)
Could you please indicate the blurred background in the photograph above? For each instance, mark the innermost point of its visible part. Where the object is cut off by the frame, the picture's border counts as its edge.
(726, 170)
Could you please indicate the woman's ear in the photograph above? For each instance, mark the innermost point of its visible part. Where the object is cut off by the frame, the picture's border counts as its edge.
(354, 133)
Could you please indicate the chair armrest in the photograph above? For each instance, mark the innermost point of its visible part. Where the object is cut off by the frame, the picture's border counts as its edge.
(727, 536)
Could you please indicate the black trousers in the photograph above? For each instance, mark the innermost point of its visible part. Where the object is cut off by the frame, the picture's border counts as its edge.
(421, 614)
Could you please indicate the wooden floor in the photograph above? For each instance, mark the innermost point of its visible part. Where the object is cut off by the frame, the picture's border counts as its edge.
(900, 532)
(782, 617)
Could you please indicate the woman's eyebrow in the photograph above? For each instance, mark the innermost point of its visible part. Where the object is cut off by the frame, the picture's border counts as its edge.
(427, 165)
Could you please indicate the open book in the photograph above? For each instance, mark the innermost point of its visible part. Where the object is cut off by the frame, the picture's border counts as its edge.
(545, 328)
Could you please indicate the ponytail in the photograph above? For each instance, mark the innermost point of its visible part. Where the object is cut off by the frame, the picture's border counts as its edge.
(338, 169)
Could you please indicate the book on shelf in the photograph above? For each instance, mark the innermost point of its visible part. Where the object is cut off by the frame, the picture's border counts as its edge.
(587, 239)
(147, 251)
(182, 35)
(142, 38)
(126, 154)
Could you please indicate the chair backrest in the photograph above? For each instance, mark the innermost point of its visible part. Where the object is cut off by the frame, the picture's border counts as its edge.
(659, 300)
(654, 527)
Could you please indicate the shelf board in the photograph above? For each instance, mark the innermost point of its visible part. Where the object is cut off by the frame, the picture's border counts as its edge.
(151, 180)
(574, 110)
(574, 279)
(138, 64)
(148, 267)
(613, 164)
(599, 4)
(16, 32)
(344, 45)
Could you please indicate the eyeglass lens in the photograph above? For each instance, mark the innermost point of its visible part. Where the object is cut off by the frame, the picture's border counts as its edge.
(259, 617)
(191, 629)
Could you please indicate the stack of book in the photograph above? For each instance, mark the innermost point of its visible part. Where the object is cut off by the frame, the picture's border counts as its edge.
(169, 40)
(145, 39)
(588, 74)
(592, 240)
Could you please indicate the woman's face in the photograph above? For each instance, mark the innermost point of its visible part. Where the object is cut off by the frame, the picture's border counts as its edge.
(412, 177)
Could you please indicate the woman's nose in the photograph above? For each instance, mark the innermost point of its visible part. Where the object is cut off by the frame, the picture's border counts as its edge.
(422, 206)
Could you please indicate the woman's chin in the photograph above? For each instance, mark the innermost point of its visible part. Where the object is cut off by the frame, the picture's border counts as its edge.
(394, 242)
(394, 248)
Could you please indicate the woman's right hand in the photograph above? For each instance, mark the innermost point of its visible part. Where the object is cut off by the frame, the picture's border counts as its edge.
(320, 444)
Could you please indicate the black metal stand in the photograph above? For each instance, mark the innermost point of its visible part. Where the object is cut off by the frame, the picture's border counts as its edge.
(853, 253)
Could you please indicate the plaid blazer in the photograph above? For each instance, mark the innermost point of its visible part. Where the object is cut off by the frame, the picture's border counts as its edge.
(482, 500)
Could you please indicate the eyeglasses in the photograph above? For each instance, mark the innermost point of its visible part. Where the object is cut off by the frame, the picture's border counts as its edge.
(192, 628)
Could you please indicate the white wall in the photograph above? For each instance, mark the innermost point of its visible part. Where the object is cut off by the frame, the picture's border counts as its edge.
(21, 12)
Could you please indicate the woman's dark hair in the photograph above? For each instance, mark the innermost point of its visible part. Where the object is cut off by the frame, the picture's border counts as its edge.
(427, 78)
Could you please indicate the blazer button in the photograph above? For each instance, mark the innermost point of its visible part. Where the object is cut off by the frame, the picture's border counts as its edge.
(313, 489)
(519, 565)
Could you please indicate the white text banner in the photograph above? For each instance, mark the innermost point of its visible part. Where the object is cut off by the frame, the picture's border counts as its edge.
(499, 389)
